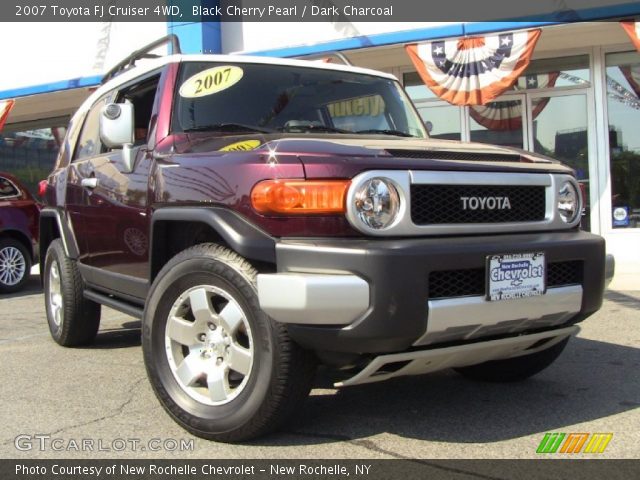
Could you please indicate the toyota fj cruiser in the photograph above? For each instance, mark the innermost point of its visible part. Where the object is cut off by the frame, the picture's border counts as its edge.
(262, 216)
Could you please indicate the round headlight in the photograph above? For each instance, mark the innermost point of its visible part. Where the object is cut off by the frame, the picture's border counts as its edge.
(377, 203)
(568, 202)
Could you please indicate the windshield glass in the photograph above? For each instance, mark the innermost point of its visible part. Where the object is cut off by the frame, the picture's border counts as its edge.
(228, 97)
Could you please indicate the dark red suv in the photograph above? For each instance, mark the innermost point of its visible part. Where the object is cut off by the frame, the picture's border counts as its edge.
(262, 216)
(19, 214)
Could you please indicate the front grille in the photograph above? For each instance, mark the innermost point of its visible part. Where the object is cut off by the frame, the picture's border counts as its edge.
(472, 281)
(444, 204)
(446, 155)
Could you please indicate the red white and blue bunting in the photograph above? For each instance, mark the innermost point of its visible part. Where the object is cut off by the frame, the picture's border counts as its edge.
(5, 108)
(475, 70)
(633, 30)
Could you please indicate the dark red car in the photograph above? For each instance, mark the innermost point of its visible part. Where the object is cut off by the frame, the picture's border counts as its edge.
(19, 214)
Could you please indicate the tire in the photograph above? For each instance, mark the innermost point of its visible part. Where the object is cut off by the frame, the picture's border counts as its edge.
(15, 265)
(73, 320)
(514, 369)
(244, 376)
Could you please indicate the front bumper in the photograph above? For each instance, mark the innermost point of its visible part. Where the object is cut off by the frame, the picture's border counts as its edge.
(318, 290)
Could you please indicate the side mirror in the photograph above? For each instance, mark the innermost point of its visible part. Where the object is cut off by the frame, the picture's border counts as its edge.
(117, 130)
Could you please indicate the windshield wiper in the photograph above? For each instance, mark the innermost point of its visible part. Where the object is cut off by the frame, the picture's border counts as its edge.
(397, 133)
(227, 127)
(316, 128)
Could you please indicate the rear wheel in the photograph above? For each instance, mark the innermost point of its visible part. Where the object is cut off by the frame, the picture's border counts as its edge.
(218, 364)
(73, 320)
(15, 265)
(514, 369)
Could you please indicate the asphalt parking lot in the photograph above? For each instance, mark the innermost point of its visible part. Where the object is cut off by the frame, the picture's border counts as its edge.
(101, 394)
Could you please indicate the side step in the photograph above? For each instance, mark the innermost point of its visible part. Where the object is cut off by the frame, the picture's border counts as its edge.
(119, 305)
(418, 362)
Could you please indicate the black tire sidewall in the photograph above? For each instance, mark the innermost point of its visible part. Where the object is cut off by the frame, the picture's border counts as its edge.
(11, 242)
(195, 416)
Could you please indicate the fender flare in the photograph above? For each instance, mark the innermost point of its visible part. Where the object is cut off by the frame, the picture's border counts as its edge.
(66, 233)
(240, 235)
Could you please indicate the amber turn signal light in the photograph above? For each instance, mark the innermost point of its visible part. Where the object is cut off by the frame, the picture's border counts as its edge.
(300, 196)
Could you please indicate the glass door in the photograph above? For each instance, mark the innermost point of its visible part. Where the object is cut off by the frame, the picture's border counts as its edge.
(560, 129)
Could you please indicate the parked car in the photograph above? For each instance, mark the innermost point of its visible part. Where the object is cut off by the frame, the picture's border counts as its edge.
(263, 215)
(19, 218)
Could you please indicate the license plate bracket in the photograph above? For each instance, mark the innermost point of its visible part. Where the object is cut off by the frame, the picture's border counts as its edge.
(515, 275)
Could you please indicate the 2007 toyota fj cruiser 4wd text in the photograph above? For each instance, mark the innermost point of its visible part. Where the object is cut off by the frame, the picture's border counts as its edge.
(263, 215)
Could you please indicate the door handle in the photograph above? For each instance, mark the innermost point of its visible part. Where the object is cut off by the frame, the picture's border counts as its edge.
(89, 182)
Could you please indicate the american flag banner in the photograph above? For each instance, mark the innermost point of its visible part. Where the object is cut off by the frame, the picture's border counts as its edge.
(5, 108)
(633, 30)
(474, 70)
(507, 114)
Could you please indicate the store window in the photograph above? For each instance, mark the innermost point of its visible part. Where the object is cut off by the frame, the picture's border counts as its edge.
(416, 89)
(498, 123)
(557, 72)
(623, 105)
(441, 119)
(29, 153)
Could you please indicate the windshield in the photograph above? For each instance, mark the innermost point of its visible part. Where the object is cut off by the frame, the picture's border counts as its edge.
(228, 97)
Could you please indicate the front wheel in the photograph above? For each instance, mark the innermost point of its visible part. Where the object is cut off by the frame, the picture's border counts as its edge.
(218, 364)
(514, 369)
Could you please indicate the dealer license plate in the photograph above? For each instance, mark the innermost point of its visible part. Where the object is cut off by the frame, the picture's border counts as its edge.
(516, 275)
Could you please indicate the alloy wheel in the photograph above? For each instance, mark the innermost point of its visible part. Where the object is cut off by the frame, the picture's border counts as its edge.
(55, 294)
(209, 345)
(13, 266)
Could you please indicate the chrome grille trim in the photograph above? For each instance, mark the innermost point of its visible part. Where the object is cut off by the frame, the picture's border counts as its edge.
(403, 179)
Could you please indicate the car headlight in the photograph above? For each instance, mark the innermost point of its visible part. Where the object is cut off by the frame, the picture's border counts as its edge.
(568, 202)
(377, 203)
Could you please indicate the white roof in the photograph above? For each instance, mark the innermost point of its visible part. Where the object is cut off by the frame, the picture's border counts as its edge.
(144, 66)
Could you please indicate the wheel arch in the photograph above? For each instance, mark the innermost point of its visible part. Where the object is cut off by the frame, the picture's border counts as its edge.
(52, 226)
(174, 229)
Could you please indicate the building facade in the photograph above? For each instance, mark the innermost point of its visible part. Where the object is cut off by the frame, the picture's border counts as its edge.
(578, 100)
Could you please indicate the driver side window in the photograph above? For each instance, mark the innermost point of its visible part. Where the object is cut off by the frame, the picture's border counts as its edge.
(142, 95)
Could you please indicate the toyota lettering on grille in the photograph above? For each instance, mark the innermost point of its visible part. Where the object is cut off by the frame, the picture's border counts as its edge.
(485, 203)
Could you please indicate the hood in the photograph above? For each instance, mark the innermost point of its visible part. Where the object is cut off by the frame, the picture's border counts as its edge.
(373, 151)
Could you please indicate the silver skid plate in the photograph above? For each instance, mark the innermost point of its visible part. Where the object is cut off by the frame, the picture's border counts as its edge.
(426, 361)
